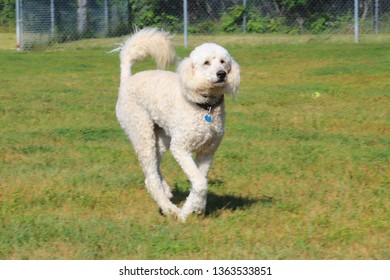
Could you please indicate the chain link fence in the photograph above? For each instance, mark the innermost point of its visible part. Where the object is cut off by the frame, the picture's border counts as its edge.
(42, 22)
(288, 17)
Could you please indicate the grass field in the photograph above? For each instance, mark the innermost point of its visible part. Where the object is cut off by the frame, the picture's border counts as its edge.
(302, 173)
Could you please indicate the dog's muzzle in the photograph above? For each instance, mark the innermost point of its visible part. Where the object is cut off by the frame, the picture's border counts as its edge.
(221, 75)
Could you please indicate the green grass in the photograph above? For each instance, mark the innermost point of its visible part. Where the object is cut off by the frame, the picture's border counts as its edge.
(297, 176)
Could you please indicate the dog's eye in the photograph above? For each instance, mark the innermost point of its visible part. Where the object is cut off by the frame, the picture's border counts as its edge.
(222, 61)
(206, 62)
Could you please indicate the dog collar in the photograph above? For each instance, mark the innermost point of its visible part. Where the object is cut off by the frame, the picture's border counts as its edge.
(209, 107)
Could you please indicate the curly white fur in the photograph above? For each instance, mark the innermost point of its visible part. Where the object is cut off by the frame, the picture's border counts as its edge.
(159, 110)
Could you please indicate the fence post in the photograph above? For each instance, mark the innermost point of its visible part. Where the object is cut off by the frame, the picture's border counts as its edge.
(52, 19)
(185, 19)
(19, 40)
(376, 19)
(356, 21)
(81, 16)
(106, 15)
(244, 18)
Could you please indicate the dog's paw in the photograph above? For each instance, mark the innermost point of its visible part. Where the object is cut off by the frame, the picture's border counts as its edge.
(170, 211)
(167, 189)
(181, 218)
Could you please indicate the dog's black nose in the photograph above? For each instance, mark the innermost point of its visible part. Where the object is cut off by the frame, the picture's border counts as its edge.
(221, 75)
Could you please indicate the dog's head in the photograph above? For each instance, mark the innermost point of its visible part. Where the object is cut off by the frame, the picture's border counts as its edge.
(210, 71)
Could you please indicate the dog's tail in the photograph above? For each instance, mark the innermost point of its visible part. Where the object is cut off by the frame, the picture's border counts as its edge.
(143, 43)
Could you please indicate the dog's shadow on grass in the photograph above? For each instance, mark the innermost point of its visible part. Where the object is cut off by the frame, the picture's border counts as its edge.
(217, 203)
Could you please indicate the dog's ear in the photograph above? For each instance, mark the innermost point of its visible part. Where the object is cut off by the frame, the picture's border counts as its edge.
(233, 79)
(186, 70)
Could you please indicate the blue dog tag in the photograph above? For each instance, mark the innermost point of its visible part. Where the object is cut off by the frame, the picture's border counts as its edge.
(208, 118)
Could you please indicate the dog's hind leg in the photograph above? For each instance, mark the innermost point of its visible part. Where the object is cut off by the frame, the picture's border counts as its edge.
(163, 142)
(140, 130)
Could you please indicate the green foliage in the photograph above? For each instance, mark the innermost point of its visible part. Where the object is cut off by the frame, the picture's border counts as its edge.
(7, 13)
(277, 25)
(257, 23)
(323, 23)
(342, 24)
(292, 3)
(162, 13)
(318, 26)
(204, 27)
(231, 21)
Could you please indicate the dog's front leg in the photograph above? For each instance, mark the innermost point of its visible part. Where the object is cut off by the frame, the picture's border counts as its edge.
(203, 162)
(196, 200)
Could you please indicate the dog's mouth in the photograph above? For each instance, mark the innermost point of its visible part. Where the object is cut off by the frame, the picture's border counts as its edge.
(220, 83)
(221, 77)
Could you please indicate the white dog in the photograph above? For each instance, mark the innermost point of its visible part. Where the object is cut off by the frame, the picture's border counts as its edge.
(182, 112)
